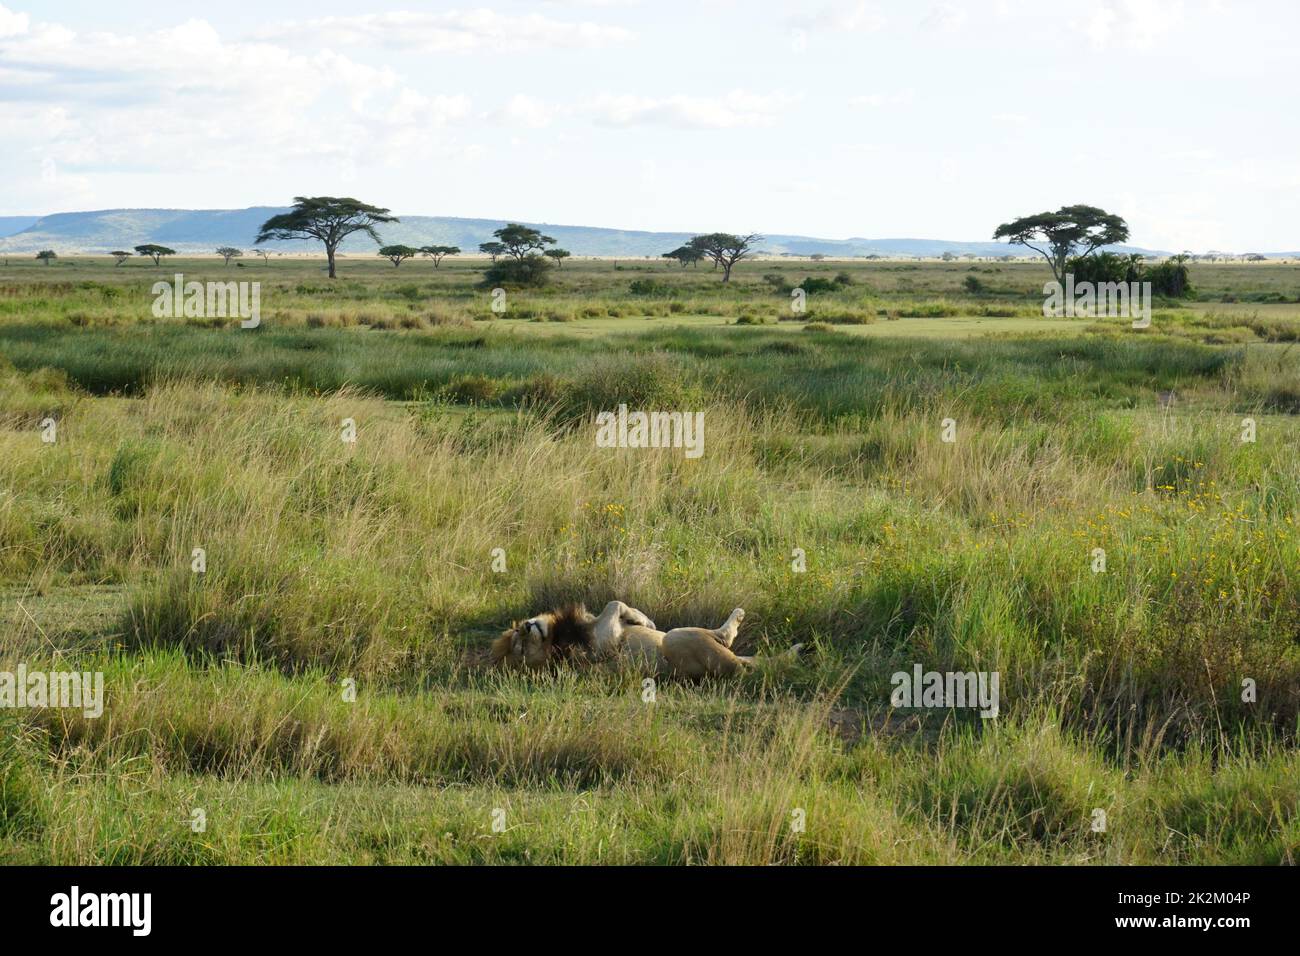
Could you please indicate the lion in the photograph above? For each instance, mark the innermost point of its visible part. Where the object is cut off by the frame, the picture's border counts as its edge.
(624, 635)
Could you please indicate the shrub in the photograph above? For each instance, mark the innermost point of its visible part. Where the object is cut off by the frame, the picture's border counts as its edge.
(530, 271)
(1105, 267)
(1169, 279)
(650, 287)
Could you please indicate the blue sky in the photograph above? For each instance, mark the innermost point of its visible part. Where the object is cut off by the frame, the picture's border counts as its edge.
(833, 119)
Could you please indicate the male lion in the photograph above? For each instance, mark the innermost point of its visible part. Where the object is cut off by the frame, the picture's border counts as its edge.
(622, 634)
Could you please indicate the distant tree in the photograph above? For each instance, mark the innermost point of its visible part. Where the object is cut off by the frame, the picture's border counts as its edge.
(264, 253)
(1071, 231)
(686, 255)
(47, 255)
(229, 252)
(120, 256)
(558, 255)
(1255, 257)
(725, 249)
(817, 257)
(154, 251)
(494, 249)
(948, 256)
(518, 241)
(395, 254)
(326, 218)
(436, 253)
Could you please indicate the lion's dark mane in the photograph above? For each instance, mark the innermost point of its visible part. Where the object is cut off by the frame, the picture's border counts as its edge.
(571, 630)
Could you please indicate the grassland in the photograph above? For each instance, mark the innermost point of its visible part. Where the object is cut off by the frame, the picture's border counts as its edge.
(371, 563)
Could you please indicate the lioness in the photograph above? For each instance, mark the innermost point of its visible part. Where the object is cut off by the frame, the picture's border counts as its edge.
(623, 634)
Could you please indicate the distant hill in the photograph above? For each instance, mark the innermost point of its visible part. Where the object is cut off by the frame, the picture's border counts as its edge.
(11, 224)
(202, 230)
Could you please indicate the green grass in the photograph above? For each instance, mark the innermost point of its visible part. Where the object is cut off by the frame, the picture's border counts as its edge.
(371, 563)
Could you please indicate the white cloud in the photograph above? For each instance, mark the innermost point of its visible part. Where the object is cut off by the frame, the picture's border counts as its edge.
(11, 23)
(841, 16)
(734, 110)
(1133, 24)
(456, 31)
(946, 17)
(526, 111)
(179, 98)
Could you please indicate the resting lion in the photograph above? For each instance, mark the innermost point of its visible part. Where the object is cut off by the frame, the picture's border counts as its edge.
(624, 635)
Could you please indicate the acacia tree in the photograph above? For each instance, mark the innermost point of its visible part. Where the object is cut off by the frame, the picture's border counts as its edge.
(557, 255)
(725, 249)
(436, 253)
(1070, 232)
(154, 251)
(120, 256)
(47, 255)
(264, 253)
(518, 241)
(327, 219)
(395, 254)
(229, 252)
(493, 249)
(686, 255)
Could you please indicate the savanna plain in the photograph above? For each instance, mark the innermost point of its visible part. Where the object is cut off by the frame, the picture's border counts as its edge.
(1163, 691)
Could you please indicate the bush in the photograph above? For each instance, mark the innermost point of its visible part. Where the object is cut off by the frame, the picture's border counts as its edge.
(974, 285)
(1167, 279)
(650, 287)
(1170, 280)
(530, 271)
(1104, 267)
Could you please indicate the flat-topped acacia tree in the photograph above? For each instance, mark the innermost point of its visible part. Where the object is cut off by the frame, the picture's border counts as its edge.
(1068, 232)
(395, 254)
(724, 249)
(154, 251)
(327, 219)
(518, 241)
(436, 253)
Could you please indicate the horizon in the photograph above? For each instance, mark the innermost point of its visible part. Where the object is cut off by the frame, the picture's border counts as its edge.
(1011, 247)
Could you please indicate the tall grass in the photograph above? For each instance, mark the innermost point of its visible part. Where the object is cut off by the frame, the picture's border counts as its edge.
(329, 562)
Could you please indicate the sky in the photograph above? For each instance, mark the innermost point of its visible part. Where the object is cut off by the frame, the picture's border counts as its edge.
(831, 119)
